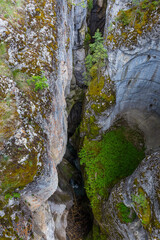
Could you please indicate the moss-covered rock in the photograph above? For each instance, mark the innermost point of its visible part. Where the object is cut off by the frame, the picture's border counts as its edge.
(99, 97)
(23, 112)
(132, 205)
(129, 24)
(107, 161)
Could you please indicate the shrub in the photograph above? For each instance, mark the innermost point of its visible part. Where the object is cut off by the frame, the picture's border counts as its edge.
(10, 196)
(87, 39)
(90, 4)
(124, 18)
(95, 59)
(39, 82)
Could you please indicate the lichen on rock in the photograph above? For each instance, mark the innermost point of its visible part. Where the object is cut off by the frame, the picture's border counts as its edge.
(132, 22)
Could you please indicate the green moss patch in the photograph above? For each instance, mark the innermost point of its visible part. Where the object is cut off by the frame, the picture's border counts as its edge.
(19, 163)
(142, 205)
(32, 55)
(4, 69)
(89, 127)
(100, 96)
(8, 118)
(125, 214)
(21, 80)
(107, 161)
(17, 175)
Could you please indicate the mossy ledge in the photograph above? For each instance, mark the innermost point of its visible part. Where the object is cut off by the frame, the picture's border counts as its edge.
(107, 161)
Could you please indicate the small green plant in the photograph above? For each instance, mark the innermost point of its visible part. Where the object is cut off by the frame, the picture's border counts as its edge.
(87, 39)
(9, 8)
(14, 195)
(123, 17)
(5, 157)
(90, 4)
(39, 82)
(135, 2)
(82, 3)
(95, 59)
(140, 200)
(110, 28)
(30, 163)
(2, 48)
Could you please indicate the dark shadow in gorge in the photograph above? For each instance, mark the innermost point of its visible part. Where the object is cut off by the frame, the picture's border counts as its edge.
(97, 17)
(80, 217)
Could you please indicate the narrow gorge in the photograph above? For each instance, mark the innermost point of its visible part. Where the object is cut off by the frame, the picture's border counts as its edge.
(80, 119)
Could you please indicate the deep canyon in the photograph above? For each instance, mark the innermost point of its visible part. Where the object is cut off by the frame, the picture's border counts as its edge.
(80, 144)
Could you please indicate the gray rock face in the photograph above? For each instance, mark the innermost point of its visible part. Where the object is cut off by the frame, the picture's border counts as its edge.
(137, 95)
(79, 66)
(80, 28)
(71, 33)
(135, 71)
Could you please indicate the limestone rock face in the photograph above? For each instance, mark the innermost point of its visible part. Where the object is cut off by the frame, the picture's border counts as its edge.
(80, 28)
(133, 65)
(137, 95)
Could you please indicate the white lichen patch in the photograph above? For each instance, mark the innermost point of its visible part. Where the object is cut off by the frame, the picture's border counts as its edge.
(2, 213)
(24, 159)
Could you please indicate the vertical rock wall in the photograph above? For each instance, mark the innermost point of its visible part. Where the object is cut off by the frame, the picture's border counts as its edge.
(128, 92)
(34, 127)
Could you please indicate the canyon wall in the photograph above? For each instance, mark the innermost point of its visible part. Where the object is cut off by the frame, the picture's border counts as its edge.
(37, 39)
(126, 96)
